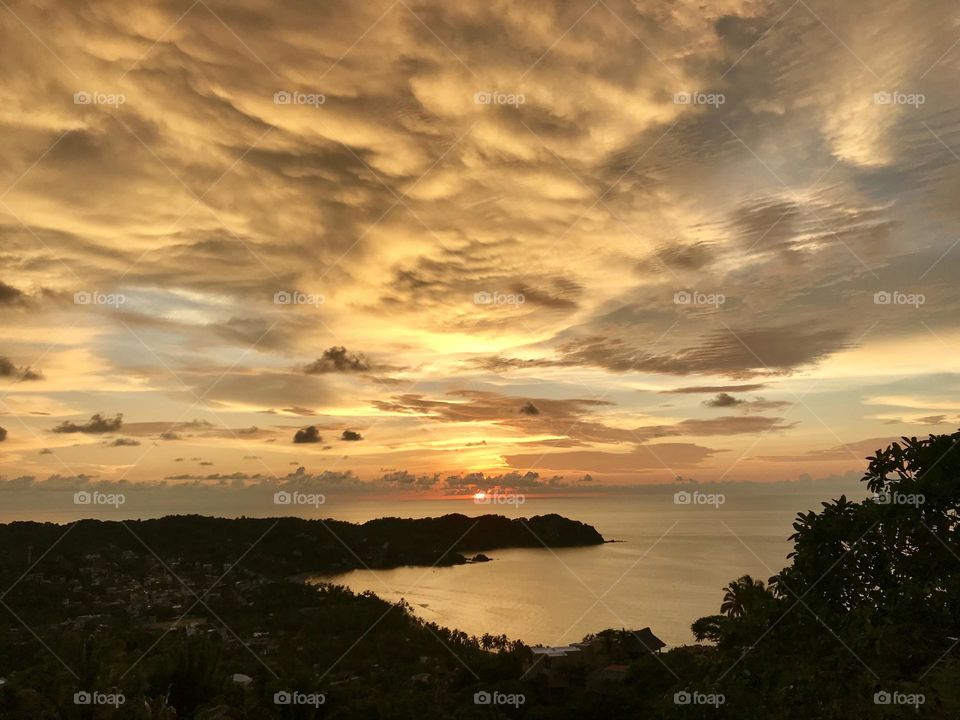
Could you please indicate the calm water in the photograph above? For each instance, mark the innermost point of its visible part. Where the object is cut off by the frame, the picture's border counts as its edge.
(669, 570)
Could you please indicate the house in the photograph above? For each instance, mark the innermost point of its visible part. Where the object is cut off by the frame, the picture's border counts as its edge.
(554, 663)
(641, 641)
(616, 646)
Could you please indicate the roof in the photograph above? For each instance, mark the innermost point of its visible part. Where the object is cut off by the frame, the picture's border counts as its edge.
(616, 668)
(555, 651)
(648, 639)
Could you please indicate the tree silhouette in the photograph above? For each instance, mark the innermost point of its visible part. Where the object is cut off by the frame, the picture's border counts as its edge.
(742, 595)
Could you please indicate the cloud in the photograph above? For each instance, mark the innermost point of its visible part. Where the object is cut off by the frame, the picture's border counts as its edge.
(406, 480)
(3, 434)
(338, 360)
(932, 420)
(8, 369)
(10, 295)
(301, 479)
(644, 457)
(528, 408)
(309, 434)
(723, 400)
(716, 389)
(854, 452)
(95, 425)
(304, 412)
(728, 425)
(124, 442)
(759, 404)
(351, 436)
(569, 421)
(737, 353)
(495, 199)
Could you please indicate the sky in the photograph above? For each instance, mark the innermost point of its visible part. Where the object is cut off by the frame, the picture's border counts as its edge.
(425, 247)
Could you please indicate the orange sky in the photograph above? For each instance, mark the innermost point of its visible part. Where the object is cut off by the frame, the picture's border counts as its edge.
(559, 244)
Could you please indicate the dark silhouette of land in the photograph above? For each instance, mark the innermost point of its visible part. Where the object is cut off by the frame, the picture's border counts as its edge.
(863, 623)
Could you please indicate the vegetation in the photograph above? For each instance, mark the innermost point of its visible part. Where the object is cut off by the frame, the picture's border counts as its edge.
(863, 623)
(276, 547)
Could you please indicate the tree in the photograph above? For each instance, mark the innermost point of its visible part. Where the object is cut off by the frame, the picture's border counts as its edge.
(742, 595)
(872, 591)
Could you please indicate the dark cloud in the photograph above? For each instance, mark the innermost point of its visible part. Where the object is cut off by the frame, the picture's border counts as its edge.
(724, 400)
(773, 224)
(736, 353)
(95, 425)
(569, 420)
(305, 412)
(3, 434)
(351, 436)
(124, 442)
(677, 257)
(8, 369)
(716, 389)
(404, 479)
(528, 408)
(559, 294)
(309, 434)
(483, 405)
(10, 295)
(932, 420)
(338, 360)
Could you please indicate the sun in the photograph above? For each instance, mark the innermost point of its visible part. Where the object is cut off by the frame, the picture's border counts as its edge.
(480, 495)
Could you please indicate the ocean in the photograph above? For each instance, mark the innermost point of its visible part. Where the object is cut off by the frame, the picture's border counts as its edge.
(669, 568)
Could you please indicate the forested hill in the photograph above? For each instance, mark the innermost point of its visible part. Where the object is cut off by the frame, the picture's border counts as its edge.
(285, 546)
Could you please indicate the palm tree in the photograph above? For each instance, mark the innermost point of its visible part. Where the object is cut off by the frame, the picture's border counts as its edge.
(741, 595)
